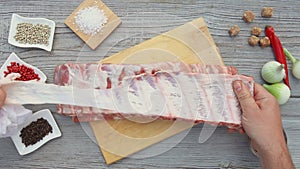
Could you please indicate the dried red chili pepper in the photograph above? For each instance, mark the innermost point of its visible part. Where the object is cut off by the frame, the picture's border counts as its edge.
(26, 73)
(278, 51)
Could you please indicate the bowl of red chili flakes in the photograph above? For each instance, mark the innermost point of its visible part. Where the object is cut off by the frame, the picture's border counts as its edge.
(27, 72)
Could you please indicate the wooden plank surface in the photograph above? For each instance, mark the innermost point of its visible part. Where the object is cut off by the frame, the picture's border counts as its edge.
(148, 18)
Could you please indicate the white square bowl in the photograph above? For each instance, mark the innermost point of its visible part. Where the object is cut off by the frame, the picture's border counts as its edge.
(46, 114)
(16, 19)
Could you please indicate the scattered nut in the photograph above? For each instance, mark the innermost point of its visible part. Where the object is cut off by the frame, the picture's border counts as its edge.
(264, 42)
(253, 40)
(267, 12)
(233, 31)
(248, 16)
(256, 31)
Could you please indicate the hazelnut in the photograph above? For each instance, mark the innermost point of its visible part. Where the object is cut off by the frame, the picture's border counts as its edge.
(234, 30)
(256, 31)
(253, 40)
(248, 16)
(267, 12)
(264, 42)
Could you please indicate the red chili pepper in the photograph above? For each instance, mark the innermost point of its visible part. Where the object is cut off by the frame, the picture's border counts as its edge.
(278, 51)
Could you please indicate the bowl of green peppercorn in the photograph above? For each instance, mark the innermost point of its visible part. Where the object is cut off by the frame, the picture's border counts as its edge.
(31, 32)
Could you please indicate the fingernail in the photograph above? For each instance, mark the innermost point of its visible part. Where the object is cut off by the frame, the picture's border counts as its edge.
(237, 86)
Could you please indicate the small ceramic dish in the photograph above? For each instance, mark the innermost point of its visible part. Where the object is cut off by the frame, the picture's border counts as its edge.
(47, 115)
(16, 19)
(14, 58)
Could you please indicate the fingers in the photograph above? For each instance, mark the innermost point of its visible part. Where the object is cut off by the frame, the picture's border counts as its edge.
(2, 97)
(263, 98)
(260, 92)
(245, 98)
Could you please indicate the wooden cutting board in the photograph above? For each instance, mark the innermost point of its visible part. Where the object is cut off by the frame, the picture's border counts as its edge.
(93, 41)
(189, 43)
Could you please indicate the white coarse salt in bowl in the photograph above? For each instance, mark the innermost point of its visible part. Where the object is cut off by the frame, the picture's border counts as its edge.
(45, 114)
(90, 20)
(16, 19)
(14, 58)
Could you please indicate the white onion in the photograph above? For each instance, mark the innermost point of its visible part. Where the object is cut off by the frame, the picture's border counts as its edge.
(280, 91)
(273, 72)
(296, 64)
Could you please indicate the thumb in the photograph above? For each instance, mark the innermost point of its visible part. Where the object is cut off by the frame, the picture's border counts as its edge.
(2, 97)
(245, 98)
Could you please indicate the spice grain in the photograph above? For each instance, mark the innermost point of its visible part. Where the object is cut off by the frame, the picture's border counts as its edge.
(35, 132)
(28, 33)
(26, 73)
(90, 20)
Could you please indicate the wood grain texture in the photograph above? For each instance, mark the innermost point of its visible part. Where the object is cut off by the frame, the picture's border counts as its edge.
(148, 18)
(128, 137)
(93, 41)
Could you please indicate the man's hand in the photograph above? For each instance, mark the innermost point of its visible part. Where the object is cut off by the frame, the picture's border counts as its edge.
(261, 119)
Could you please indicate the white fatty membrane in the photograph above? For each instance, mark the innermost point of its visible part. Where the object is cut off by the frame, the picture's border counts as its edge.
(90, 20)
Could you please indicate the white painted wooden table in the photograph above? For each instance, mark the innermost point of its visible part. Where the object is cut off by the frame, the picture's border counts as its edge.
(141, 20)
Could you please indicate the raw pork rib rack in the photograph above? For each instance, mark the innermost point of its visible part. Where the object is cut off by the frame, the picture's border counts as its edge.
(190, 91)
